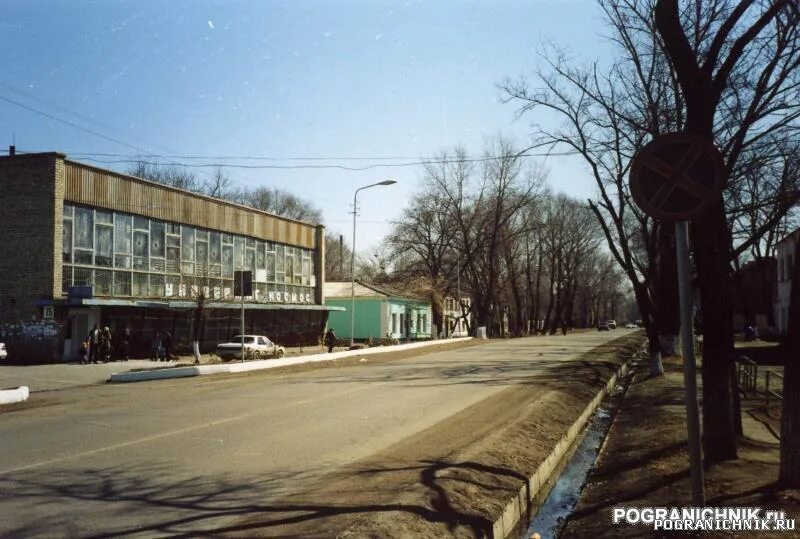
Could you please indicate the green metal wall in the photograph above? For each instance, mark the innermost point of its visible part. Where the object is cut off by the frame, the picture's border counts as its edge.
(368, 318)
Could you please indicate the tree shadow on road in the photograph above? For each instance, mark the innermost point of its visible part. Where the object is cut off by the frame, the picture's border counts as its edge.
(119, 501)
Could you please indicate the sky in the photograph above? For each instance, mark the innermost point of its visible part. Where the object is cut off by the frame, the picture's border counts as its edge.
(285, 80)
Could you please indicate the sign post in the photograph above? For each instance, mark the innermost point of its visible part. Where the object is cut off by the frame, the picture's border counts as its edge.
(675, 178)
(689, 362)
(242, 286)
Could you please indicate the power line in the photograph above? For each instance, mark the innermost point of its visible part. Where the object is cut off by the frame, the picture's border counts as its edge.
(72, 124)
(423, 161)
(128, 159)
(86, 119)
(253, 157)
(132, 160)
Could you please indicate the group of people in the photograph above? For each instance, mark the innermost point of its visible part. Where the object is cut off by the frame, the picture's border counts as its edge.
(161, 348)
(99, 346)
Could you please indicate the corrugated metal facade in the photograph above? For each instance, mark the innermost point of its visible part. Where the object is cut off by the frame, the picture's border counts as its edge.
(92, 186)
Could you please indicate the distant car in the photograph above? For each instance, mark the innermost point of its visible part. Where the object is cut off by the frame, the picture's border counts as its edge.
(630, 326)
(3, 351)
(612, 324)
(602, 326)
(255, 347)
(639, 324)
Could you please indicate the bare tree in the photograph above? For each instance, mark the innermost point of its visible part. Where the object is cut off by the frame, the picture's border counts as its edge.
(281, 203)
(171, 175)
(732, 76)
(426, 231)
(219, 185)
(337, 258)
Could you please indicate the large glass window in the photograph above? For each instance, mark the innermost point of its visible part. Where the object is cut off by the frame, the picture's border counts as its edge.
(122, 283)
(279, 259)
(125, 255)
(104, 241)
(66, 244)
(214, 249)
(123, 227)
(271, 267)
(187, 243)
(157, 239)
(238, 252)
(84, 228)
(201, 258)
(141, 249)
(139, 286)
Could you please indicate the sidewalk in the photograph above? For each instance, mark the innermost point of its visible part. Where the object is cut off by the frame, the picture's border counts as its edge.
(644, 462)
(51, 377)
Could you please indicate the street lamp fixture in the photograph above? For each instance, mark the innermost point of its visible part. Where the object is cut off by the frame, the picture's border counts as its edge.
(353, 259)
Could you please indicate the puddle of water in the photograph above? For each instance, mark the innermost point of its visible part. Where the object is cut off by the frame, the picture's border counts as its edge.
(566, 491)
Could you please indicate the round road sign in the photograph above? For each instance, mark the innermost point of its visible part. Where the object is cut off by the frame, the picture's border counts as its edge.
(676, 176)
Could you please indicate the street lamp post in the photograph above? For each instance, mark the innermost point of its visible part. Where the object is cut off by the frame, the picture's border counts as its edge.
(353, 260)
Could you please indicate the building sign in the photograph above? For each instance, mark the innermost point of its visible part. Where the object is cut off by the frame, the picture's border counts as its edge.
(48, 312)
(242, 283)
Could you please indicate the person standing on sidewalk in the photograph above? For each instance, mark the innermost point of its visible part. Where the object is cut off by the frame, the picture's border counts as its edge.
(155, 350)
(330, 340)
(105, 344)
(167, 344)
(94, 344)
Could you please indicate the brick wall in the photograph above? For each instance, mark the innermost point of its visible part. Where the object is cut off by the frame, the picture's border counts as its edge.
(31, 198)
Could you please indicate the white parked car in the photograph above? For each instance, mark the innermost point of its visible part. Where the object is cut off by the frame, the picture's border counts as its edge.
(255, 347)
(3, 351)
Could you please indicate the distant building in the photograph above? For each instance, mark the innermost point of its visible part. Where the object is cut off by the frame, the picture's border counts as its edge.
(785, 254)
(380, 312)
(754, 295)
(82, 245)
(455, 323)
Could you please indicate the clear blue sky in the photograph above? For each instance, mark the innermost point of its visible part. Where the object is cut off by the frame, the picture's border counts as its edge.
(284, 79)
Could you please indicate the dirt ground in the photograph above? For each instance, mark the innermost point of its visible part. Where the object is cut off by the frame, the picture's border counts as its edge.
(644, 462)
(455, 478)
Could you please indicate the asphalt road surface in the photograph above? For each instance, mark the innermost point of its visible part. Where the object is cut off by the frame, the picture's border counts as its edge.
(189, 456)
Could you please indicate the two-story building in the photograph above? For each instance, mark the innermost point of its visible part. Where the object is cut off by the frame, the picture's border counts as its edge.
(457, 318)
(81, 246)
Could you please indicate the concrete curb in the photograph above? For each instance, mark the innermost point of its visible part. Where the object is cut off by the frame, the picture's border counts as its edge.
(516, 510)
(10, 396)
(234, 367)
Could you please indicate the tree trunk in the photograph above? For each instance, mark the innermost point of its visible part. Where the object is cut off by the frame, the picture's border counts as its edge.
(437, 314)
(712, 253)
(669, 316)
(650, 327)
(789, 475)
(538, 287)
(654, 350)
(199, 316)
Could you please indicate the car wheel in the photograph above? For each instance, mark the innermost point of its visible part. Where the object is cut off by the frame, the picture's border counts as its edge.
(279, 354)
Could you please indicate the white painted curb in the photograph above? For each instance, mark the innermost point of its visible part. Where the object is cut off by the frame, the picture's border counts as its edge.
(19, 394)
(232, 367)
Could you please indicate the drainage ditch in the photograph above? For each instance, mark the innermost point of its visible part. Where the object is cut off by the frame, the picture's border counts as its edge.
(560, 502)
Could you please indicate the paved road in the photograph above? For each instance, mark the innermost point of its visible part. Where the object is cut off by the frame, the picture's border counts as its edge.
(67, 375)
(178, 456)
